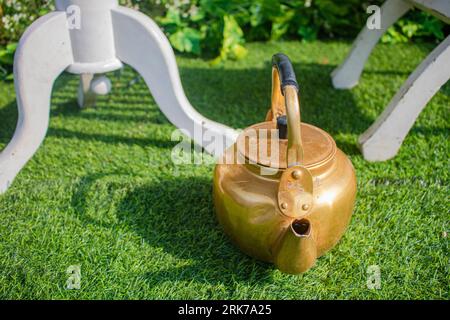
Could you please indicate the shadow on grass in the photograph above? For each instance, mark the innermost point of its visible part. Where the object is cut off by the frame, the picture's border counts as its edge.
(112, 139)
(175, 215)
(101, 112)
(241, 97)
(236, 97)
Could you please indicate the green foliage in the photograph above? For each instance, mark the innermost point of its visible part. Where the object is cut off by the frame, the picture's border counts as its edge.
(205, 26)
(419, 25)
(6, 60)
(17, 15)
(232, 43)
(224, 26)
(219, 29)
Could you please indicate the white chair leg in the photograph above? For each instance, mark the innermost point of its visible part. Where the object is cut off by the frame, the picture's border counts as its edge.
(347, 75)
(85, 98)
(384, 138)
(43, 53)
(141, 44)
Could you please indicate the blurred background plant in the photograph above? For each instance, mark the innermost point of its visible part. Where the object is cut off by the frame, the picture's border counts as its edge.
(219, 29)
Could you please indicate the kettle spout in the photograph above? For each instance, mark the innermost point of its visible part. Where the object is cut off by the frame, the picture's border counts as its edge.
(296, 252)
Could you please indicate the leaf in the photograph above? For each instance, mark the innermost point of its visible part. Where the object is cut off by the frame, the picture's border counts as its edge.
(197, 15)
(6, 74)
(7, 54)
(193, 37)
(231, 30)
(11, 47)
(433, 26)
(172, 17)
(186, 40)
(233, 40)
(6, 57)
(281, 24)
(10, 77)
(393, 36)
(307, 33)
(256, 16)
(409, 29)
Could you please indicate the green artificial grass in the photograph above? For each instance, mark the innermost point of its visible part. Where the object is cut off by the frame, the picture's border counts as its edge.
(102, 192)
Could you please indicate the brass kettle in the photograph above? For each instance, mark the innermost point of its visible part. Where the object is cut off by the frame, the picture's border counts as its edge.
(284, 192)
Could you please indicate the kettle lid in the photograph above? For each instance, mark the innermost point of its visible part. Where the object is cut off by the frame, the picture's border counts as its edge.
(260, 144)
(283, 140)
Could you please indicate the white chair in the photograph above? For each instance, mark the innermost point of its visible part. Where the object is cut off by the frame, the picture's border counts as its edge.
(105, 36)
(384, 138)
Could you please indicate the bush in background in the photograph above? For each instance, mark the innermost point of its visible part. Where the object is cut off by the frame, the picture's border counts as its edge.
(218, 29)
(221, 27)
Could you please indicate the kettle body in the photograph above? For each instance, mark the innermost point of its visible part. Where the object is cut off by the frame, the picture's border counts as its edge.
(284, 193)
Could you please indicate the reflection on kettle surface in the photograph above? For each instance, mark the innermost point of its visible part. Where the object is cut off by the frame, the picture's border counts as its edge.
(291, 197)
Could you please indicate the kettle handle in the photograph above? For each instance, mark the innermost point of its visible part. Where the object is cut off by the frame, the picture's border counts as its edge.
(285, 101)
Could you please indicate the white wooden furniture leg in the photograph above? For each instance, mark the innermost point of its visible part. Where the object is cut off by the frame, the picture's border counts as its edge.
(43, 53)
(383, 139)
(347, 75)
(90, 38)
(86, 98)
(141, 44)
(438, 8)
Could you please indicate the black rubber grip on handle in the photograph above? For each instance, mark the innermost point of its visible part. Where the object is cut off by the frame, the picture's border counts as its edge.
(285, 70)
